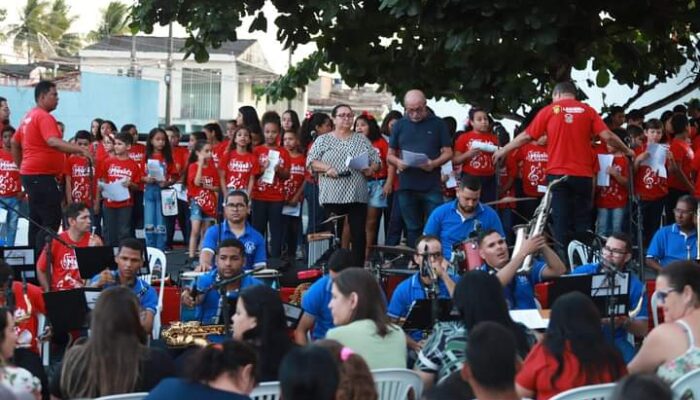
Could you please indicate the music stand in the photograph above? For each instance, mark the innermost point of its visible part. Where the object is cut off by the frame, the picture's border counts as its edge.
(292, 314)
(609, 302)
(67, 310)
(420, 314)
(21, 260)
(93, 260)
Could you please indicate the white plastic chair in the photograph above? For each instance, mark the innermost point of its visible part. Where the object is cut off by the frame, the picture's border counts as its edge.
(591, 392)
(655, 308)
(155, 257)
(577, 248)
(689, 382)
(396, 383)
(266, 391)
(44, 346)
(125, 396)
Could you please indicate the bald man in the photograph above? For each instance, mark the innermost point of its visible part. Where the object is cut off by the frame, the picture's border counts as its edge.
(419, 131)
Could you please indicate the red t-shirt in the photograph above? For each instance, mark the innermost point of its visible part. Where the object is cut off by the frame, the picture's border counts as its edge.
(540, 365)
(219, 151)
(137, 152)
(170, 168)
(532, 160)
(238, 168)
(382, 148)
(9, 175)
(38, 158)
(570, 126)
(64, 266)
(114, 170)
(180, 155)
(297, 168)
(683, 155)
(614, 195)
(482, 163)
(79, 170)
(27, 331)
(274, 191)
(504, 174)
(647, 183)
(205, 198)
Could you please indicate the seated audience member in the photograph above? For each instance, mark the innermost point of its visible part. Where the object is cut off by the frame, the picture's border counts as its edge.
(129, 260)
(518, 288)
(671, 349)
(260, 321)
(678, 241)
(617, 253)
(236, 226)
(20, 381)
(453, 222)
(115, 358)
(492, 357)
(224, 371)
(309, 373)
(642, 387)
(444, 351)
(64, 267)
(359, 314)
(573, 352)
(26, 323)
(317, 318)
(419, 284)
(356, 381)
(452, 387)
(230, 260)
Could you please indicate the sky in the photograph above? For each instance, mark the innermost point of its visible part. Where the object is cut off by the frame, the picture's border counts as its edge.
(88, 12)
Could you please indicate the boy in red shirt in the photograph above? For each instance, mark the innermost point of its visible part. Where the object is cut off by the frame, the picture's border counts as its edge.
(532, 165)
(180, 155)
(612, 199)
(118, 211)
(137, 152)
(10, 188)
(80, 174)
(680, 173)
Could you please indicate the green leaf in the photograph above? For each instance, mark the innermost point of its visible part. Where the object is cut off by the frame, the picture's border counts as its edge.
(602, 78)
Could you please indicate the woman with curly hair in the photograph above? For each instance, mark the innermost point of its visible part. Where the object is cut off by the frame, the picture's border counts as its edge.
(356, 381)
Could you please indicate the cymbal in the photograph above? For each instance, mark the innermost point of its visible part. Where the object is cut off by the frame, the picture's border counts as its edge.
(510, 200)
(397, 271)
(333, 218)
(407, 251)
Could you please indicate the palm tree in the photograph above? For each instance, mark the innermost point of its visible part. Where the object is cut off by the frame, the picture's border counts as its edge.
(114, 21)
(27, 32)
(59, 22)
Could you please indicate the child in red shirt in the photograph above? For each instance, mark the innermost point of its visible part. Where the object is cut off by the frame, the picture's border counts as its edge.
(680, 174)
(180, 155)
(612, 199)
(268, 195)
(117, 212)
(240, 166)
(470, 152)
(81, 184)
(157, 152)
(293, 192)
(10, 188)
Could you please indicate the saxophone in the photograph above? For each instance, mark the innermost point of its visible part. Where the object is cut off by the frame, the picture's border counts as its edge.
(535, 226)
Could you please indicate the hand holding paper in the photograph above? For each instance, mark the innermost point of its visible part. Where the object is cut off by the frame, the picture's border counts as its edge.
(414, 159)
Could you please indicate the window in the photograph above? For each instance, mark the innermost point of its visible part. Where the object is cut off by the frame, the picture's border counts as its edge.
(201, 93)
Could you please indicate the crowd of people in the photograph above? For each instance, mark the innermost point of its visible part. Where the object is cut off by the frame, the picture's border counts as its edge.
(238, 193)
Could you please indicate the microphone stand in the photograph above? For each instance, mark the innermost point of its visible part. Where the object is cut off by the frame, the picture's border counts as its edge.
(636, 211)
(427, 270)
(610, 299)
(221, 287)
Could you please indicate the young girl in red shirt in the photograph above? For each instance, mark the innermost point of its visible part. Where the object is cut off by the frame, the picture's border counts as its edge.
(472, 152)
(240, 166)
(293, 192)
(157, 151)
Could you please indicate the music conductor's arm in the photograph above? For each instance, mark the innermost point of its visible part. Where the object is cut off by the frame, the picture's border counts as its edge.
(519, 141)
(614, 141)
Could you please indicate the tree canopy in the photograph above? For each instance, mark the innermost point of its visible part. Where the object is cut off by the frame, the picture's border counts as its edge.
(499, 54)
(114, 20)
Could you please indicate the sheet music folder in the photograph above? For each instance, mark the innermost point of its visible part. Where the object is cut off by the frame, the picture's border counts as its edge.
(67, 310)
(93, 260)
(596, 287)
(419, 316)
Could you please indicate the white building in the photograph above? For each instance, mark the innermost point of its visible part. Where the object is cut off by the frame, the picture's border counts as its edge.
(200, 92)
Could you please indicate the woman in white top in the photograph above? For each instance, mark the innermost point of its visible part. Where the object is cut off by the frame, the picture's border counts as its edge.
(359, 314)
(20, 381)
(672, 349)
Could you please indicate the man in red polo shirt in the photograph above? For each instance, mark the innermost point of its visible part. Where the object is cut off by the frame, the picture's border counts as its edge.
(39, 150)
(570, 126)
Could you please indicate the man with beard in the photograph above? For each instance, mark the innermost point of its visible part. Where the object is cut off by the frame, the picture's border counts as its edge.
(453, 222)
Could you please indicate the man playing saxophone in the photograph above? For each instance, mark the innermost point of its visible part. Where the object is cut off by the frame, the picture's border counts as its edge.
(518, 286)
(617, 252)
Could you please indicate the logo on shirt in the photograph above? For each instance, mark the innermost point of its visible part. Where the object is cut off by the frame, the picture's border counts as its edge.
(249, 247)
(556, 109)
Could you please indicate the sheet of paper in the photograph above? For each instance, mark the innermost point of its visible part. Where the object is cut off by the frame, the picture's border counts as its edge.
(604, 162)
(447, 169)
(657, 158)
(273, 158)
(155, 170)
(359, 163)
(414, 159)
(115, 191)
(181, 191)
(292, 211)
(530, 318)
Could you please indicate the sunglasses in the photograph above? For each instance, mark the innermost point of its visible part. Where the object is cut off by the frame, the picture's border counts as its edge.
(661, 296)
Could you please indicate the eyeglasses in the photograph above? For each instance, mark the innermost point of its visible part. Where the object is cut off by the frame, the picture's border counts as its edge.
(616, 252)
(682, 212)
(236, 205)
(661, 296)
(351, 115)
(432, 256)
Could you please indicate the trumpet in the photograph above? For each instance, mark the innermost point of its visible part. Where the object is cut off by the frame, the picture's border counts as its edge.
(535, 226)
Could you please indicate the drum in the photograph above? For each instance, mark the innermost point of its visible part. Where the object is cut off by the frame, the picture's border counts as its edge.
(466, 255)
(270, 277)
(392, 277)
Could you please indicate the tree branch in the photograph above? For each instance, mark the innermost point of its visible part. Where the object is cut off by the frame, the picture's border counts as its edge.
(672, 97)
(640, 92)
(512, 116)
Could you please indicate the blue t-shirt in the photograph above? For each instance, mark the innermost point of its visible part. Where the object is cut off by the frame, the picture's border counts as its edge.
(428, 137)
(208, 310)
(671, 244)
(315, 303)
(520, 292)
(636, 291)
(252, 240)
(148, 299)
(180, 389)
(446, 223)
(410, 290)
